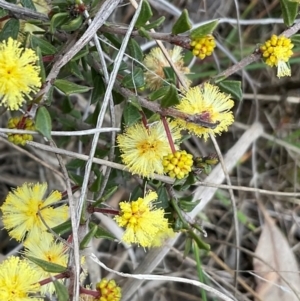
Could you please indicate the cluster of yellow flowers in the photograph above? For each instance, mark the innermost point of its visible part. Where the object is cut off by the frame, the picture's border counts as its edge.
(19, 75)
(109, 290)
(19, 78)
(155, 62)
(26, 212)
(145, 224)
(203, 47)
(276, 52)
(178, 165)
(19, 123)
(27, 215)
(143, 149)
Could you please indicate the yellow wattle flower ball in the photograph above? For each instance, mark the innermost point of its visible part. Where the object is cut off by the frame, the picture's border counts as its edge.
(155, 62)
(178, 165)
(142, 149)
(145, 224)
(18, 280)
(276, 52)
(209, 101)
(27, 209)
(19, 74)
(203, 47)
(110, 291)
(19, 123)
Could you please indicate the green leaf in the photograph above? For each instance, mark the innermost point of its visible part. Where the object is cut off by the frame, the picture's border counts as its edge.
(171, 98)
(57, 20)
(289, 11)
(82, 53)
(200, 243)
(189, 181)
(74, 68)
(295, 39)
(45, 46)
(159, 93)
(187, 246)
(61, 291)
(155, 23)
(163, 198)
(47, 266)
(135, 50)
(88, 237)
(96, 186)
(204, 30)
(75, 163)
(78, 179)
(99, 87)
(43, 123)
(131, 114)
(67, 105)
(92, 118)
(232, 87)
(69, 88)
(108, 193)
(10, 29)
(182, 24)
(117, 97)
(178, 225)
(73, 25)
(170, 75)
(49, 98)
(113, 39)
(28, 4)
(63, 228)
(102, 233)
(3, 13)
(145, 14)
(187, 205)
(134, 80)
(144, 33)
(41, 64)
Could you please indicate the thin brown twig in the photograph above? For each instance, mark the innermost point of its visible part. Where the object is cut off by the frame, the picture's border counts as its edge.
(23, 12)
(182, 41)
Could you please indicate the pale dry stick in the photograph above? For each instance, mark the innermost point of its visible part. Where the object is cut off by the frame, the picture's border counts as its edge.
(277, 98)
(163, 278)
(250, 189)
(161, 178)
(155, 256)
(105, 102)
(74, 258)
(271, 138)
(95, 273)
(62, 133)
(266, 21)
(111, 105)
